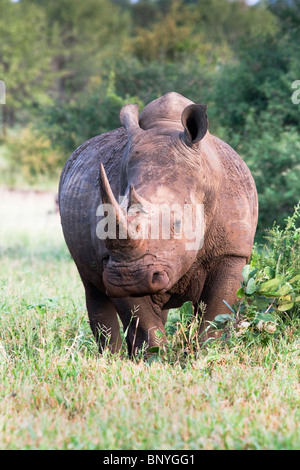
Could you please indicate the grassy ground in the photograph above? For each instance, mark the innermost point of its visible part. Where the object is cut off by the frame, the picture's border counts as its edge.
(56, 392)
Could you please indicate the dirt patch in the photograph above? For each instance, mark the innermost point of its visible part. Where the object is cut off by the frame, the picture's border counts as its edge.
(31, 198)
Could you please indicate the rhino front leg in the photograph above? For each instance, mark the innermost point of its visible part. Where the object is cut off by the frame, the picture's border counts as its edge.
(103, 319)
(141, 319)
(221, 284)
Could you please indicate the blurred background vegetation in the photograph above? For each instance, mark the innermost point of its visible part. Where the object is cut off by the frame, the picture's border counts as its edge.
(69, 66)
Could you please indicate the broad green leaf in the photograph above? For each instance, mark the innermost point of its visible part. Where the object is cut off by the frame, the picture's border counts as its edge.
(262, 303)
(285, 299)
(270, 272)
(295, 278)
(174, 316)
(272, 284)
(253, 272)
(245, 272)
(251, 286)
(240, 293)
(154, 350)
(264, 317)
(284, 290)
(270, 294)
(188, 309)
(284, 307)
(221, 320)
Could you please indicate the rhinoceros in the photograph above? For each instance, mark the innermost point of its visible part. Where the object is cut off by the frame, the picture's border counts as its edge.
(165, 164)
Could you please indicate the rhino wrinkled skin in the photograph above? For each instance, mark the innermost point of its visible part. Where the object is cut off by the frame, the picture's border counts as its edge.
(164, 155)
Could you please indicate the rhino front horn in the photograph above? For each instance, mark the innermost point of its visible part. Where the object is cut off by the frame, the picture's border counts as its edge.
(123, 240)
(109, 198)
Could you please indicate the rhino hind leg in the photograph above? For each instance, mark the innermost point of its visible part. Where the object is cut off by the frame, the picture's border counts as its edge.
(221, 284)
(103, 319)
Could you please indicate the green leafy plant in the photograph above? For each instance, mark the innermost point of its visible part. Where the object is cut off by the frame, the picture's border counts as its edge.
(270, 289)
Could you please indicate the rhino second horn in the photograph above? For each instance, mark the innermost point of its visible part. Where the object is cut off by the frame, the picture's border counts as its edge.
(134, 198)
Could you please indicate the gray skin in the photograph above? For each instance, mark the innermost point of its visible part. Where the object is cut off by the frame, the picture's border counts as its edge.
(164, 155)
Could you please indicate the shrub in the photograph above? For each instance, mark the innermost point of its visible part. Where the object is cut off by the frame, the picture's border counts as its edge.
(270, 291)
(31, 158)
(68, 125)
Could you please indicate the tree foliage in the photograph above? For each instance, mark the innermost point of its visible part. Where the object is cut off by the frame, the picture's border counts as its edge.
(69, 66)
(24, 58)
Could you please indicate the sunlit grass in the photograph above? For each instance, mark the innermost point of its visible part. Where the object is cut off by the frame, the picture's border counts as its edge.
(56, 392)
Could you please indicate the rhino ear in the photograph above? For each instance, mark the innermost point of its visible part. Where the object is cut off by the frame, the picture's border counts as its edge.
(129, 117)
(195, 123)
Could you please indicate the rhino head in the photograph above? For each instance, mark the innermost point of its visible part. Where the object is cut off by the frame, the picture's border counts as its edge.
(157, 217)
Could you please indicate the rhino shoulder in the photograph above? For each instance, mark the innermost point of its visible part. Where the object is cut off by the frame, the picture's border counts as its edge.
(238, 205)
(106, 148)
(238, 178)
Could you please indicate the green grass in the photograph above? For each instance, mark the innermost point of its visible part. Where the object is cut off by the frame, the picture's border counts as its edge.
(56, 392)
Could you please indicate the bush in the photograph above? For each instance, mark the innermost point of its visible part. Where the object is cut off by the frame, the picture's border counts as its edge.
(68, 125)
(270, 291)
(254, 113)
(274, 164)
(31, 158)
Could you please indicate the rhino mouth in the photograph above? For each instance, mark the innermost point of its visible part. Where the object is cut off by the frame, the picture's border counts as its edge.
(122, 280)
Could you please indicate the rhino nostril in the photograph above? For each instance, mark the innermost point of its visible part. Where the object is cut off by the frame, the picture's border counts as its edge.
(159, 279)
(156, 277)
